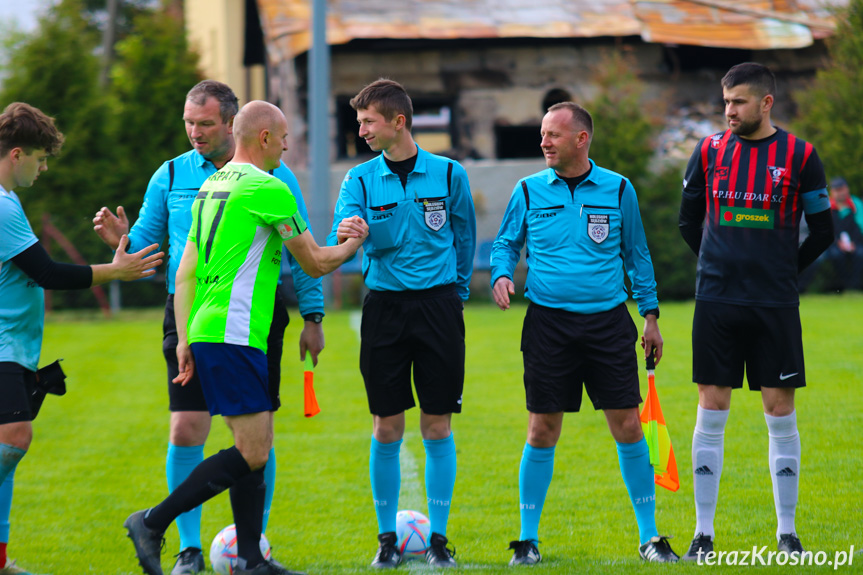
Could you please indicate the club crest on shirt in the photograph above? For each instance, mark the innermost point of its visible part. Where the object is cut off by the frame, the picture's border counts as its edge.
(597, 227)
(285, 231)
(435, 214)
(716, 140)
(776, 173)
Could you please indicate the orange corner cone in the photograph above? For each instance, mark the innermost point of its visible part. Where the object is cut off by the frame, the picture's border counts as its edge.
(310, 402)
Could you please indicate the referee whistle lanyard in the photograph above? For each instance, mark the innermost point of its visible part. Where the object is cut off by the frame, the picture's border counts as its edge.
(656, 435)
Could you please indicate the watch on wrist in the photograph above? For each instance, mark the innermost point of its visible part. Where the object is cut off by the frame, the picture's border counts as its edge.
(654, 311)
(314, 317)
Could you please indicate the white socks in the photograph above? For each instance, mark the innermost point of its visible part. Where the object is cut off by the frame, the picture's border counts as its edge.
(784, 455)
(707, 453)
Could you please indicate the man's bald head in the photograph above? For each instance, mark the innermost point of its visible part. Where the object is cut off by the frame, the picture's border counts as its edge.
(255, 117)
(261, 133)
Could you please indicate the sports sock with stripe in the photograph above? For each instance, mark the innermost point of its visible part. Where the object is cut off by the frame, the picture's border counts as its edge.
(708, 440)
(534, 478)
(440, 480)
(180, 462)
(9, 458)
(386, 477)
(212, 476)
(270, 481)
(637, 475)
(784, 454)
(5, 511)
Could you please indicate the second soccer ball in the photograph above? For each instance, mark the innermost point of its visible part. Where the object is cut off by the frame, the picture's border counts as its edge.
(412, 530)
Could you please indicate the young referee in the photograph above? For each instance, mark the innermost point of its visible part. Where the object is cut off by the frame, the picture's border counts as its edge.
(744, 194)
(417, 263)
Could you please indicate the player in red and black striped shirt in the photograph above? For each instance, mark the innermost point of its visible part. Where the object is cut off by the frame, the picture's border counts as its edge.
(744, 194)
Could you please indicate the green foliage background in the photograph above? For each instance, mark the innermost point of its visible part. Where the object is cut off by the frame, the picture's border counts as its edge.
(829, 109)
(116, 136)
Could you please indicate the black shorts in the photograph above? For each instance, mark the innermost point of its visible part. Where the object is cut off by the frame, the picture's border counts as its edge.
(420, 329)
(17, 385)
(190, 397)
(768, 341)
(563, 350)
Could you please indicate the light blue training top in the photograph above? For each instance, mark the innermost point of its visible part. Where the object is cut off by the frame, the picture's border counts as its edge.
(22, 301)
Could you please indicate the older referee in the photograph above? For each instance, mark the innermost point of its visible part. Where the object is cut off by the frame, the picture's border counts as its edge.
(582, 227)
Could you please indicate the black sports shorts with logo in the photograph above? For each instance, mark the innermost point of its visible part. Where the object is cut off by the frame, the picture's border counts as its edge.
(768, 341)
(423, 329)
(17, 385)
(190, 397)
(564, 351)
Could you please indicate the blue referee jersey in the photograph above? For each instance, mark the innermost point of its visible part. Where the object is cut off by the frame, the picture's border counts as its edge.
(167, 211)
(420, 236)
(578, 243)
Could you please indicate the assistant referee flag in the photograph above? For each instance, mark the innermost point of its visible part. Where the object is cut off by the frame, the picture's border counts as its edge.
(656, 434)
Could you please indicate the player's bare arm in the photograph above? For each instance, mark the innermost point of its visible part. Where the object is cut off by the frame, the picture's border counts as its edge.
(317, 261)
(111, 227)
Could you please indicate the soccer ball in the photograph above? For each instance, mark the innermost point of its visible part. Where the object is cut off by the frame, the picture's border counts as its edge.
(223, 551)
(412, 530)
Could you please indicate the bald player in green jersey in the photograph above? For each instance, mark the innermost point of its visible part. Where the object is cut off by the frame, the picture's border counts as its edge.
(226, 284)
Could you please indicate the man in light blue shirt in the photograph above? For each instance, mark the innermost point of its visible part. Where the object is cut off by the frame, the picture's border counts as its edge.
(417, 264)
(582, 229)
(208, 115)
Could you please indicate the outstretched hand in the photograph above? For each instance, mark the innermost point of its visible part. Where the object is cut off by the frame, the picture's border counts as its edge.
(131, 267)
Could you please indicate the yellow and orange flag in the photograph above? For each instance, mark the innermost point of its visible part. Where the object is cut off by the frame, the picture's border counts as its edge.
(656, 434)
(310, 402)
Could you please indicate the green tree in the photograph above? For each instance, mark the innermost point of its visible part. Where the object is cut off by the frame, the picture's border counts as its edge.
(115, 138)
(153, 72)
(624, 135)
(56, 70)
(828, 109)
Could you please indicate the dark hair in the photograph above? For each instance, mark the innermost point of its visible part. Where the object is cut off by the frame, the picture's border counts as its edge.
(581, 118)
(228, 103)
(757, 76)
(29, 128)
(388, 97)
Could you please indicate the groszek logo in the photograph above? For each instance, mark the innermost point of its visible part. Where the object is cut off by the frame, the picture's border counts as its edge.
(746, 218)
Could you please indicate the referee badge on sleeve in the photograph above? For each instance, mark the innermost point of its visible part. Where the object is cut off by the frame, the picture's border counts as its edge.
(435, 214)
(597, 227)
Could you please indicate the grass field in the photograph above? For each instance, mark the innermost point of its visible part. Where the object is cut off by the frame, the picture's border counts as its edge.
(99, 454)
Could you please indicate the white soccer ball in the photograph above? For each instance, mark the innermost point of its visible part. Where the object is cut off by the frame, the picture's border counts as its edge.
(223, 551)
(412, 530)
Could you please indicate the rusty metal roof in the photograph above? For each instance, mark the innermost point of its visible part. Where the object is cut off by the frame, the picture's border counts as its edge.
(747, 24)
